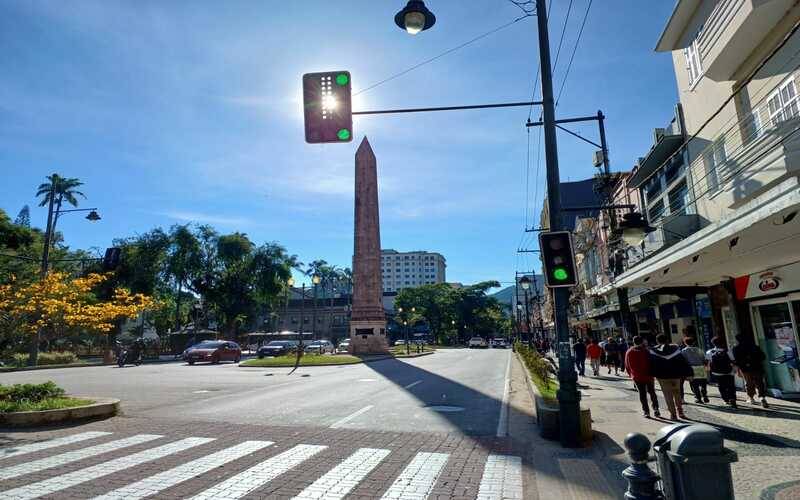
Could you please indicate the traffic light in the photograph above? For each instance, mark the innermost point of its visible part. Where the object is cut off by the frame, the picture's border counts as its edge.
(111, 259)
(327, 107)
(558, 259)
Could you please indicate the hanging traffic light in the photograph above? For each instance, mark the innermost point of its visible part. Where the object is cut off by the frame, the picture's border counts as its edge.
(327, 107)
(558, 259)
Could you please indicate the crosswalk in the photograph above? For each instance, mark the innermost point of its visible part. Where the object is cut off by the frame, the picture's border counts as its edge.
(140, 460)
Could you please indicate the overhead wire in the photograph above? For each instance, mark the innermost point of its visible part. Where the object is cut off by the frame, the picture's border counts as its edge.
(574, 50)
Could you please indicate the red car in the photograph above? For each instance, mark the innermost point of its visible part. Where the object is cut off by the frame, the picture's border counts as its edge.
(213, 351)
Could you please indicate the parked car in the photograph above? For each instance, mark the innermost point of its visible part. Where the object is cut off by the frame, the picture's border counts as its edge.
(320, 347)
(213, 351)
(343, 347)
(499, 343)
(277, 348)
(478, 342)
(400, 342)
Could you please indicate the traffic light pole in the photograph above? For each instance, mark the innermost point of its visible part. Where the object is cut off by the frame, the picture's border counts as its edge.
(568, 395)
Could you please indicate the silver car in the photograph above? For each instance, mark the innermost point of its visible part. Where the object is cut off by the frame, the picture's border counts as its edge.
(320, 347)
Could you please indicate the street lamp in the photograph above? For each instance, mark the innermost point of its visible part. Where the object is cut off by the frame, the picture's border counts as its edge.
(315, 279)
(525, 282)
(634, 229)
(415, 17)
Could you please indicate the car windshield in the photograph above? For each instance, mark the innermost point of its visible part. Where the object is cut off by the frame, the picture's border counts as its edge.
(280, 343)
(208, 344)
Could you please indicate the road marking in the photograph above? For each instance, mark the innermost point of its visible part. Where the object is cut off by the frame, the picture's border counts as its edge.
(338, 482)
(502, 423)
(351, 417)
(71, 479)
(13, 451)
(502, 478)
(418, 478)
(412, 384)
(181, 473)
(73, 456)
(260, 474)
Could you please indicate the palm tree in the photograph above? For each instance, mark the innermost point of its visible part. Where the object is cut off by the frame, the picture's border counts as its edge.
(60, 189)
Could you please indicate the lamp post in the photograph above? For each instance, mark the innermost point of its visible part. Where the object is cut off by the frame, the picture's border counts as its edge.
(289, 285)
(414, 17)
(525, 282)
(52, 219)
(315, 280)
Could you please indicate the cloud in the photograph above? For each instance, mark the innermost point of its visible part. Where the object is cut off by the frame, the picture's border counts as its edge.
(207, 218)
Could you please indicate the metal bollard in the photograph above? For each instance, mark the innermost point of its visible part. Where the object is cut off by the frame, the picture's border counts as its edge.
(641, 480)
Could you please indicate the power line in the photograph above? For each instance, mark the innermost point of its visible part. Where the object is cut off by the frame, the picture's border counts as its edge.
(538, 69)
(574, 49)
(561, 40)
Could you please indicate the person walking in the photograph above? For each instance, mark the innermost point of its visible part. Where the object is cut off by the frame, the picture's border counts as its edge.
(612, 355)
(720, 364)
(637, 364)
(594, 352)
(698, 382)
(749, 358)
(579, 351)
(668, 366)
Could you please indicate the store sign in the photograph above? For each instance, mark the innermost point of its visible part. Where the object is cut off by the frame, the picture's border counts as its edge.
(770, 282)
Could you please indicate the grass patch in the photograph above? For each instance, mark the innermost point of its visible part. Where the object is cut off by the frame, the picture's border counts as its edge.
(540, 371)
(399, 350)
(305, 360)
(45, 404)
(548, 389)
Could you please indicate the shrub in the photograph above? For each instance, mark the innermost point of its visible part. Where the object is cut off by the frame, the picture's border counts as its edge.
(538, 366)
(46, 358)
(30, 393)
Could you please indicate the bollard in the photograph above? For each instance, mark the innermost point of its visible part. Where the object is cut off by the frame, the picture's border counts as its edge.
(641, 480)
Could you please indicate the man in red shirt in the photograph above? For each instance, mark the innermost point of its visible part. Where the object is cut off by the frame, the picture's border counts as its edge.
(594, 351)
(637, 364)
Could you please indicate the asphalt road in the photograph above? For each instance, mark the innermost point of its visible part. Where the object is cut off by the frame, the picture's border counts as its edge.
(453, 390)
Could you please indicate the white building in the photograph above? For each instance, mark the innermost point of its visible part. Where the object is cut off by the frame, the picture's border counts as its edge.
(409, 269)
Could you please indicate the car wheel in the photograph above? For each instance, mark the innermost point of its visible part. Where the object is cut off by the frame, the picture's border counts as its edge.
(215, 361)
(238, 358)
(260, 356)
(190, 362)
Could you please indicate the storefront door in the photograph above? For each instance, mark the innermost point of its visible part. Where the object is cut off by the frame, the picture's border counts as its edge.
(775, 322)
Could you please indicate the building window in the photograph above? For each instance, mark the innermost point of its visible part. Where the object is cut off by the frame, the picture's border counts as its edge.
(677, 199)
(713, 158)
(693, 62)
(655, 212)
(783, 105)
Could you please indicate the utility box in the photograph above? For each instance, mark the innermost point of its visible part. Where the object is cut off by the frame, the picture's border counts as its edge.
(693, 463)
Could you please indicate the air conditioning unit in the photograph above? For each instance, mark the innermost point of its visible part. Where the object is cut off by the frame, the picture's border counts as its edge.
(597, 158)
(658, 134)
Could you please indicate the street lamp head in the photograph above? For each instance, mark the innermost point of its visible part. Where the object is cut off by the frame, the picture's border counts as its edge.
(290, 281)
(415, 17)
(93, 216)
(413, 309)
(400, 309)
(525, 282)
(316, 279)
(634, 228)
(519, 305)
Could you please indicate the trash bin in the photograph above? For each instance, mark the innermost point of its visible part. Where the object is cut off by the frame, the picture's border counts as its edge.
(693, 463)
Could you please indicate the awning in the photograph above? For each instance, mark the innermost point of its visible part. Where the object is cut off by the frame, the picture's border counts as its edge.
(658, 154)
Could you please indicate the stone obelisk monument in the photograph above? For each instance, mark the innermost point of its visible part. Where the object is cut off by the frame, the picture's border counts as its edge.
(368, 320)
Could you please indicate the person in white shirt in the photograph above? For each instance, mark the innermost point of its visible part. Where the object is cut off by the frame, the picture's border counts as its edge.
(720, 364)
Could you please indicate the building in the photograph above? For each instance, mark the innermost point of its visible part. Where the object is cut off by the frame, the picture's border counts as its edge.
(327, 316)
(409, 269)
(720, 184)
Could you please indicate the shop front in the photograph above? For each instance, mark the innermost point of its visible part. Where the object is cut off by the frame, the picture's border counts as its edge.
(773, 297)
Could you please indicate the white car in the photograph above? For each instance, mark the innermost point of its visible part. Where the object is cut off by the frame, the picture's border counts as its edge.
(499, 343)
(400, 342)
(478, 342)
(320, 347)
(344, 347)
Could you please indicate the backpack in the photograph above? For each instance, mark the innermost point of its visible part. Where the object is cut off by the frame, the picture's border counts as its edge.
(752, 359)
(721, 362)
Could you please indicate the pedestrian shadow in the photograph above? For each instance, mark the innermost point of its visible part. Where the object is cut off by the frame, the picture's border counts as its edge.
(749, 437)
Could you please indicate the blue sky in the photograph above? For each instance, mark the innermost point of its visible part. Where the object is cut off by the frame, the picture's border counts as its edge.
(173, 112)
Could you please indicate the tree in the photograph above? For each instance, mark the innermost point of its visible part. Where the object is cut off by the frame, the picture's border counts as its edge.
(24, 217)
(60, 189)
(183, 263)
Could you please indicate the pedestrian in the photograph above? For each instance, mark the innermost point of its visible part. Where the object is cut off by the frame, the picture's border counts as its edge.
(669, 367)
(637, 364)
(698, 382)
(594, 352)
(749, 359)
(612, 355)
(579, 350)
(720, 364)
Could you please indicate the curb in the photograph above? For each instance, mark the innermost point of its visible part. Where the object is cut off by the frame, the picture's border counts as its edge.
(102, 407)
(371, 360)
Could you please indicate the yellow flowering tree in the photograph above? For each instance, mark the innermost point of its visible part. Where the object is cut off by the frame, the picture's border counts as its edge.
(60, 303)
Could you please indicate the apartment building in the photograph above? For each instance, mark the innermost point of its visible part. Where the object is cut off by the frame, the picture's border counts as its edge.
(721, 186)
(410, 269)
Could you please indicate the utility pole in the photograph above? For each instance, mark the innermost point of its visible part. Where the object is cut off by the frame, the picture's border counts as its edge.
(568, 395)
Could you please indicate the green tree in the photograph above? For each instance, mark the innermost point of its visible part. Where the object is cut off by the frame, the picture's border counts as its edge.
(183, 262)
(24, 217)
(61, 189)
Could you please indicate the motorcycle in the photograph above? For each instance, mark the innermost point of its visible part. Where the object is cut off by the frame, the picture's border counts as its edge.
(128, 356)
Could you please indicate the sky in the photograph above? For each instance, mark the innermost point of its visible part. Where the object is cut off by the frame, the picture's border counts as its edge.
(173, 112)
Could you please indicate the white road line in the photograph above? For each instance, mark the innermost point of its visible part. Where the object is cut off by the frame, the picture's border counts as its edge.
(502, 423)
(58, 483)
(418, 478)
(73, 456)
(181, 473)
(260, 474)
(351, 417)
(338, 482)
(412, 384)
(502, 478)
(13, 451)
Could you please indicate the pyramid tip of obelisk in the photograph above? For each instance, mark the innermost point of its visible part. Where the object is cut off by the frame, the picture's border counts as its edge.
(364, 146)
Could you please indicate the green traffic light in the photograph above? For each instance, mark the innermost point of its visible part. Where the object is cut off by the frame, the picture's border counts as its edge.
(343, 134)
(560, 274)
(342, 79)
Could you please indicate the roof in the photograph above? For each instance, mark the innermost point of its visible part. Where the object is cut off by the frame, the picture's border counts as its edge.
(578, 194)
(680, 17)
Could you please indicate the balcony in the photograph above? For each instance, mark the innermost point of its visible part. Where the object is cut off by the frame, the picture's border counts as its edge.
(673, 230)
(666, 141)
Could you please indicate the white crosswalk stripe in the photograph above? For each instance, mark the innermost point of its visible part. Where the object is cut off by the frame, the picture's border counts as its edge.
(417, 479)
(73, 456)
(502, 478)
(13, 451)
(338, 482)
(65, 481)
(260, 474)
(181, 473)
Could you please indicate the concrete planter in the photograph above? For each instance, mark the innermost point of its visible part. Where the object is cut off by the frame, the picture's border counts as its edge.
(101, 408)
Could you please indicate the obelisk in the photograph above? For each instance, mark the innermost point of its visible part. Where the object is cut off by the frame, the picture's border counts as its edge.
(367, 320)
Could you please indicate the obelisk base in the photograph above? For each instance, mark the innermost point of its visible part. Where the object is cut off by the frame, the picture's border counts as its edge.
(368, 337)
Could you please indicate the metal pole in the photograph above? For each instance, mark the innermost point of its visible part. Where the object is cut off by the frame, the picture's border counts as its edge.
(568, 395)
(314, 315)
(528, 319)
(33, 356)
